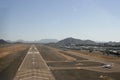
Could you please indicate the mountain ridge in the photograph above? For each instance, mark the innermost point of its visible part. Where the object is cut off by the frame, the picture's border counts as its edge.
(2, 41)
(74, 41)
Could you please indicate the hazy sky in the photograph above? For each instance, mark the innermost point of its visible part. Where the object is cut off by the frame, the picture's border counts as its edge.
(97, 20)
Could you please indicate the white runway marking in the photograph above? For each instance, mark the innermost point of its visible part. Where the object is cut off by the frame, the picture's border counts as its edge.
(33, 67)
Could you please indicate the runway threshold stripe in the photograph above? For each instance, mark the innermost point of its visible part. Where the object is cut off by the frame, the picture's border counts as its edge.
(38, 71)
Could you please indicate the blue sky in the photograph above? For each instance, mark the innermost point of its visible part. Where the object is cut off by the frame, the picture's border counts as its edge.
(97, 20)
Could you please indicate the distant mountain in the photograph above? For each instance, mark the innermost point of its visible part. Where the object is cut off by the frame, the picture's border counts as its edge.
(36, 41)
(3, 41)
(73, 41)
(47, 41)
(20, 41)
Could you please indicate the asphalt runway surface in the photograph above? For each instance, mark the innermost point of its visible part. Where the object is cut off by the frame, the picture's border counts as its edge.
(33, 67)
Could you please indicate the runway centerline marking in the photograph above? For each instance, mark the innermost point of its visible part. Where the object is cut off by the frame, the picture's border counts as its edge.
(33, 67)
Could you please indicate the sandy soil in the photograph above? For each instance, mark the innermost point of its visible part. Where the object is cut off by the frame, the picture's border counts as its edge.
(10, 58)
(11, 49)
(76, 65)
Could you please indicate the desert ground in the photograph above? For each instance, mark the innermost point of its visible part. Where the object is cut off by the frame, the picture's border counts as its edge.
(80, 65)
(11, 56)
(64, 64)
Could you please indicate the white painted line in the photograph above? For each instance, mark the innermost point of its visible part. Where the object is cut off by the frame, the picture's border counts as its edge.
(37, 73)
(26, 78)
(22, 62)
(24, 59)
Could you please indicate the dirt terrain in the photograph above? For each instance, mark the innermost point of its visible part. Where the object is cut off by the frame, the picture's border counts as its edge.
(73, 65)
(4, 51)
(10, 58)
(82, 74)
(50, 55)
(64, 64)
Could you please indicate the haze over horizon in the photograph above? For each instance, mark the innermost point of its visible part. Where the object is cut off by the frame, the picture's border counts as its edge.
(30, 20)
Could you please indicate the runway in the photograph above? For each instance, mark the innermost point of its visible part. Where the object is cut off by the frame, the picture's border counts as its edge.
(33, 67)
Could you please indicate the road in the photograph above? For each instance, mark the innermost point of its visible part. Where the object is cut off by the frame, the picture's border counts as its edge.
(33, 67)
